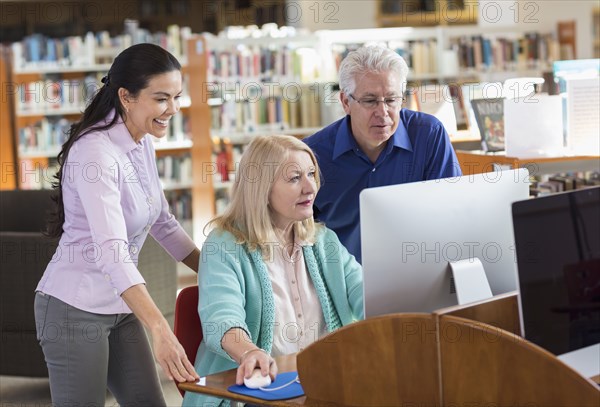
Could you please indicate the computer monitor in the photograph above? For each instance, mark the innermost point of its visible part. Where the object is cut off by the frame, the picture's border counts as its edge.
(410, 232)
(558, 259)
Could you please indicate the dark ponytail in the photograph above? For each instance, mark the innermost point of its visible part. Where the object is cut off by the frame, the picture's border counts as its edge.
(132, 69)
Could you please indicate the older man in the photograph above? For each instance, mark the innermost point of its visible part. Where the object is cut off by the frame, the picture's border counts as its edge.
(377, 143)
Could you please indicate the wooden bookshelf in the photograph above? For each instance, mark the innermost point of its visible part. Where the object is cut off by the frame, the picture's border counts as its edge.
(203, 208)
(31, 141)
(8, 170)
(477, 162)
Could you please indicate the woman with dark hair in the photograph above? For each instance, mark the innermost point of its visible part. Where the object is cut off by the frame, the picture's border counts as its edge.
(91, 298)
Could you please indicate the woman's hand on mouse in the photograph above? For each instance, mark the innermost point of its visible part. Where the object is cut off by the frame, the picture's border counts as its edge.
(255, 358)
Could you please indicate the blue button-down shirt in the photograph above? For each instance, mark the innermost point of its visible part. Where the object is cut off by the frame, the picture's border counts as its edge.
(419, 150)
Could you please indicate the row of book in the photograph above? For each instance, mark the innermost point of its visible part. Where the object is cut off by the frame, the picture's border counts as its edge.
(531, 51)
(180, 203)
(562, 182)
(40, 51)
(420, 55)
(275, 113)
(263, 64)
(44, 135)
(179, 130)
(304, 65)
(175, 171)
(48, 134)
(48, 95)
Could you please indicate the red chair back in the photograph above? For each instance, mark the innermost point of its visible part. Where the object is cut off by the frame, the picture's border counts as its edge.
(187, 327)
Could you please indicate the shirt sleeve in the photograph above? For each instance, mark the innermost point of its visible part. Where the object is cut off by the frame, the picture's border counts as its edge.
(221, 294)
(94, 173)
(170, 234)
(442, 161)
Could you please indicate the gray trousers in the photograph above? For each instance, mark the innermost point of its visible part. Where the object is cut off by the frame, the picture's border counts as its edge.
(86, 353)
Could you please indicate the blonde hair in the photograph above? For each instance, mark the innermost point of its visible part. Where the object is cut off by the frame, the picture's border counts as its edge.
(248, 216)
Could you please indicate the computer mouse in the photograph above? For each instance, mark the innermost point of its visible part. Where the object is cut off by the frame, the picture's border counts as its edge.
(257, 380)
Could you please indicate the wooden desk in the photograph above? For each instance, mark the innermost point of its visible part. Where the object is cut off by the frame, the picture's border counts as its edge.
(464, 351)
(217, 384)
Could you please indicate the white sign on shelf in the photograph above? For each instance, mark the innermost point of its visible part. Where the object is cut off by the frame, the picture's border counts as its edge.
(583, 116)
(533, 126)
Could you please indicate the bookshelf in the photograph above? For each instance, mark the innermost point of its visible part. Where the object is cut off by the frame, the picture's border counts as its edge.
(281, 81)
(240, 78)
(246, 84)
(8, 179)
(49, 92)
(547, 174)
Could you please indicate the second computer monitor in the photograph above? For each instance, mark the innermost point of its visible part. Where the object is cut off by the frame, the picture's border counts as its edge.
(410, 233)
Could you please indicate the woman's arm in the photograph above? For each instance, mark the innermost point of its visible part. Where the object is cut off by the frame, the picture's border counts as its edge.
(247, 355)
(167, 350)
(192, 259)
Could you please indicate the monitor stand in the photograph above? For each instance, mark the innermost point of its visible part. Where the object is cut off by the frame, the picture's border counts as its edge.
(470, 280)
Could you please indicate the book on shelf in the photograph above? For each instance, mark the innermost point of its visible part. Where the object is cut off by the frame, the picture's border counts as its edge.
(489, 51)
(420, 55)
(180, 203)
(489, 114)
(567, 38)
(40, 52)
(478, 90)
(175, 170)
(268, 114)
(255, 63)
(46, 135)
(46, 96)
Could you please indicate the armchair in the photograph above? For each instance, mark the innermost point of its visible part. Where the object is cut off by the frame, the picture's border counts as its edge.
(24, 254)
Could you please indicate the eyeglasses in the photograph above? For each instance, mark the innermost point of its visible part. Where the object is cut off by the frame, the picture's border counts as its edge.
(371, 103)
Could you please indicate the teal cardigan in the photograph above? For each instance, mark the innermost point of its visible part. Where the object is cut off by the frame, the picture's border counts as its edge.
(235, 291)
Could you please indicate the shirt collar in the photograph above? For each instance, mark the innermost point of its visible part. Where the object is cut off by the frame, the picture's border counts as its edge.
(344, 140)
(120, 136)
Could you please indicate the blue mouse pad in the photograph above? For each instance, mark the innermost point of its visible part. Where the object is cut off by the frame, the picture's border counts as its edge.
(288, 388)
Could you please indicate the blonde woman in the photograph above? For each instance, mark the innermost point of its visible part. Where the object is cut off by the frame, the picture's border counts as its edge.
(271, 280)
